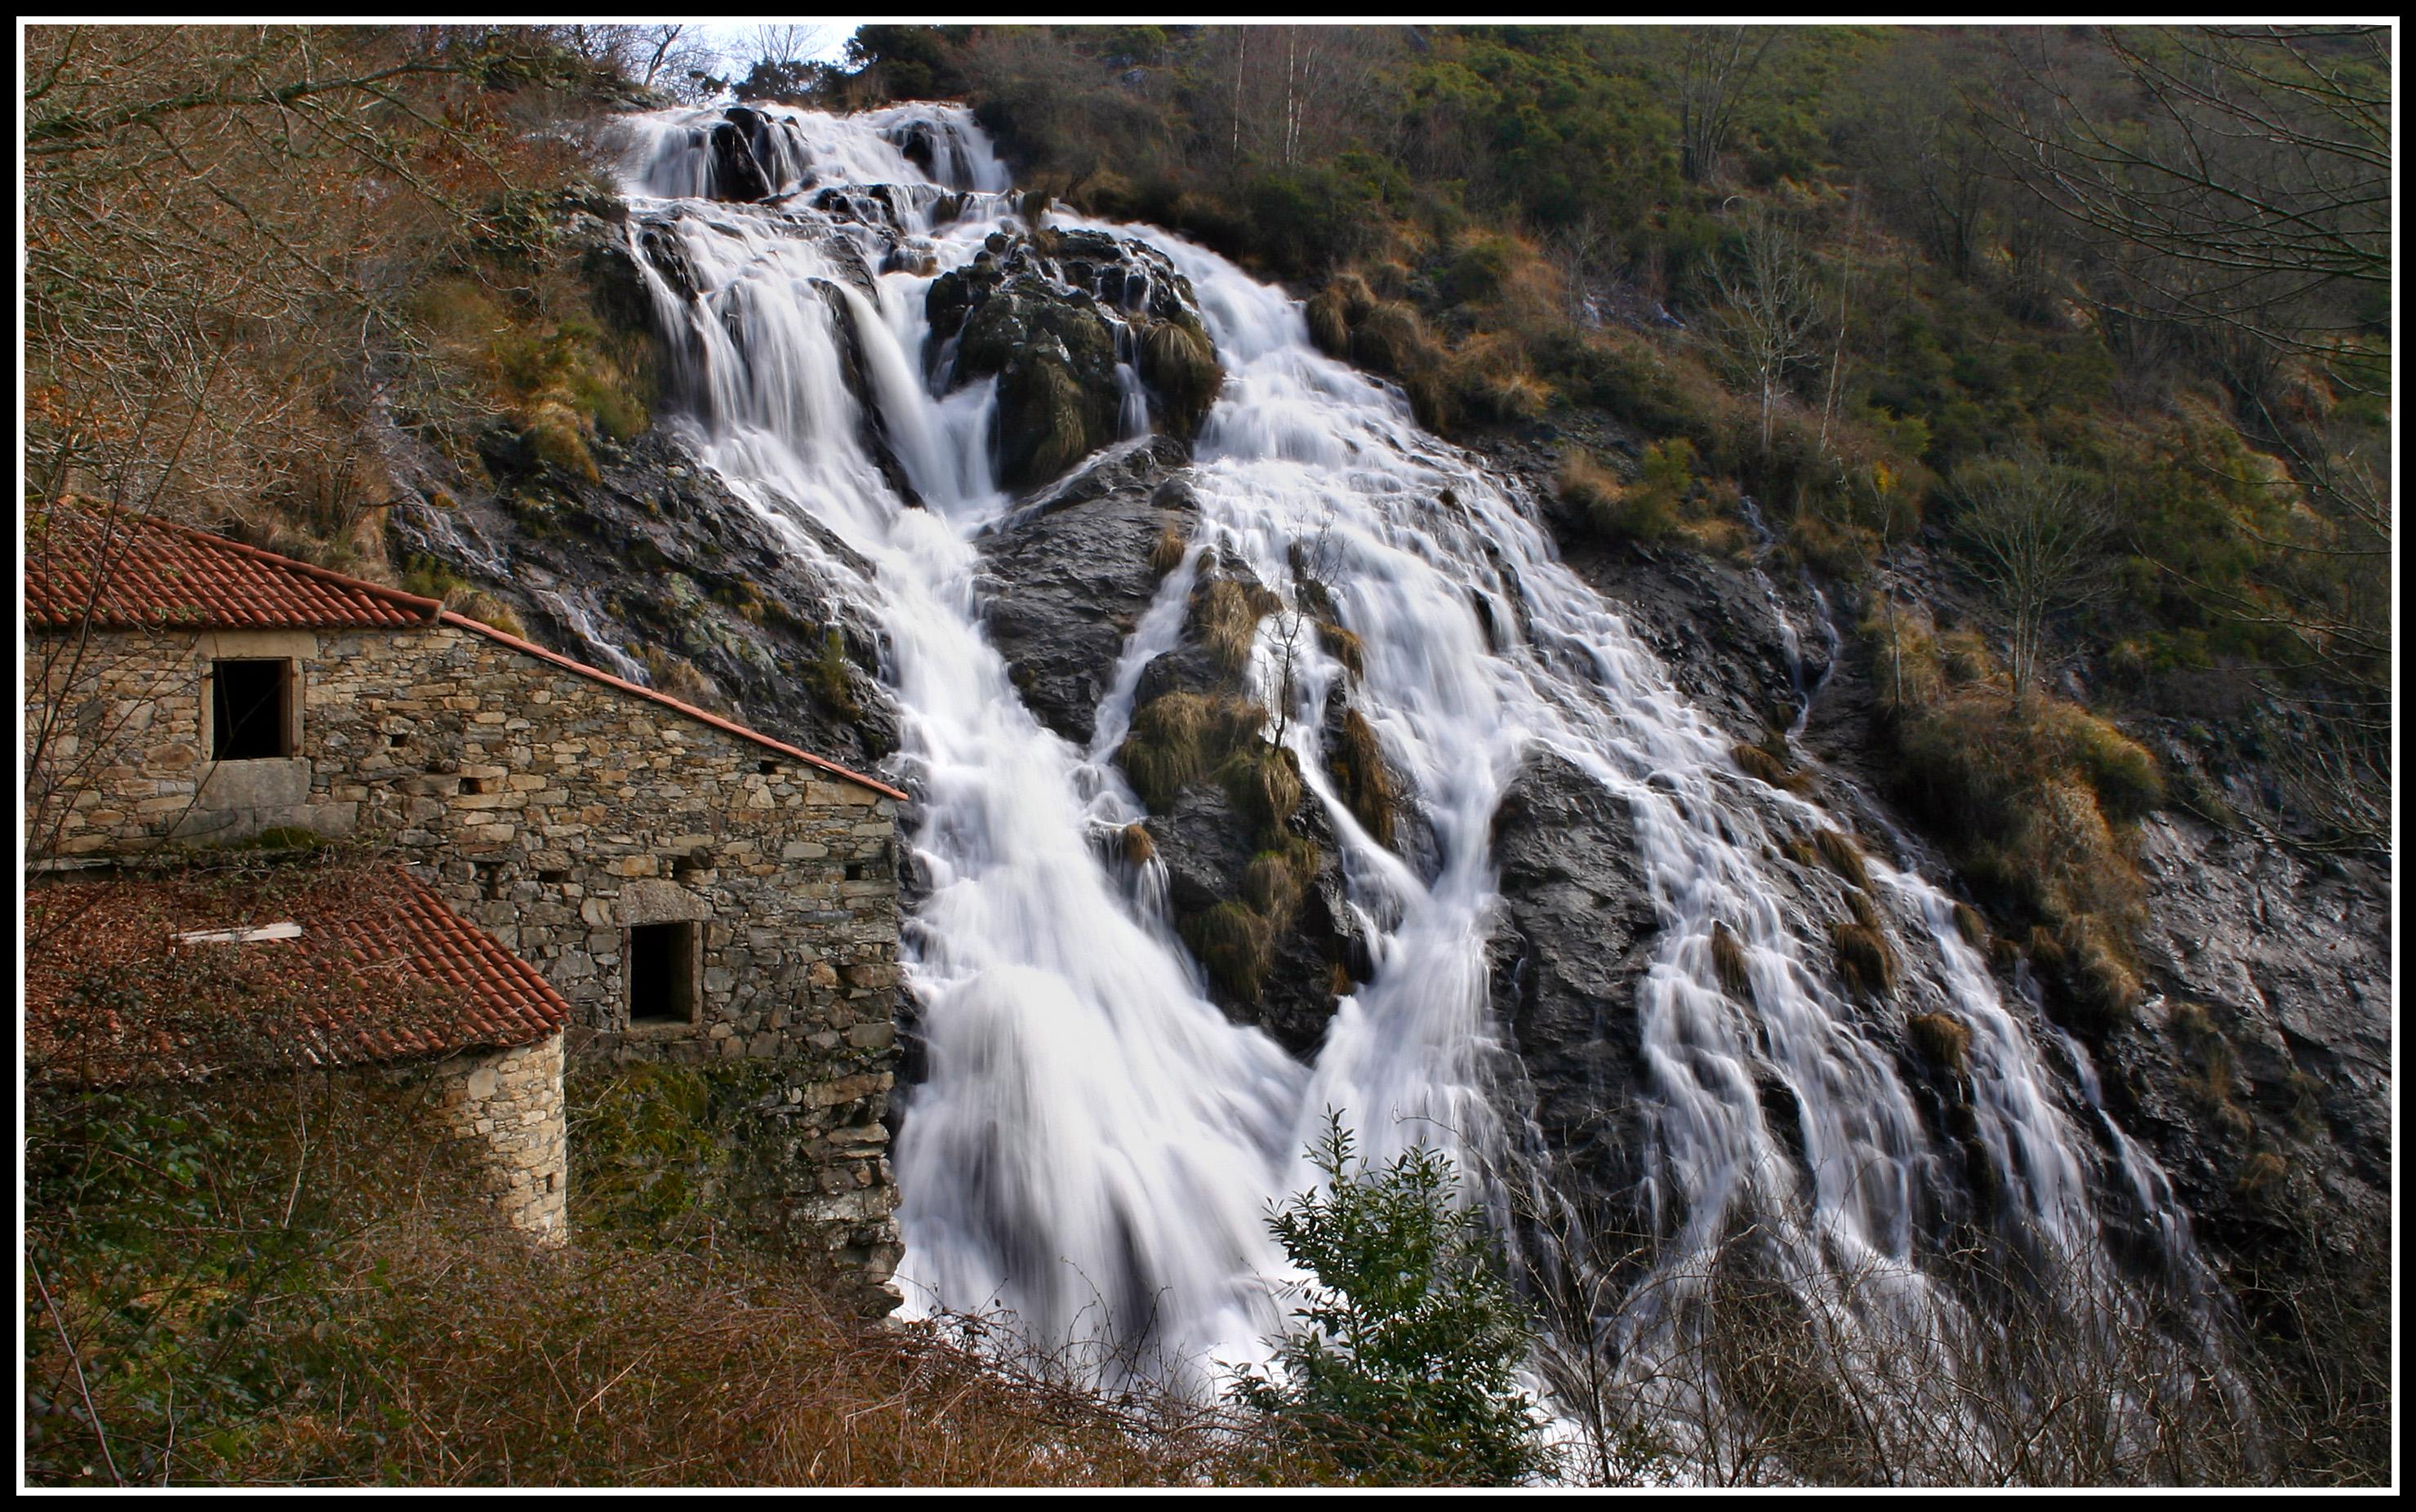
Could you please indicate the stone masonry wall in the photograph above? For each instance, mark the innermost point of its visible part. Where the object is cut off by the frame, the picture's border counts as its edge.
(509, 1104)
(557, 811)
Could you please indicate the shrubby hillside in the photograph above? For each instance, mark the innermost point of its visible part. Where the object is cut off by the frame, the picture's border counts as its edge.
(2047, 368)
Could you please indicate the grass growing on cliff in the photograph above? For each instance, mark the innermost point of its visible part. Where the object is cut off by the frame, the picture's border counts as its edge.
(1225, 615)
(1366, 783)
(2038, 798)
(1178, 738)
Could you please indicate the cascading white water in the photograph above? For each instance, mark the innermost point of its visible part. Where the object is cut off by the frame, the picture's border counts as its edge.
(1094, 1143)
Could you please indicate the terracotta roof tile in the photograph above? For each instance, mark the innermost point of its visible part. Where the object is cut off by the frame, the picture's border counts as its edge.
(383, 970)
(138, 573)
(154, 574)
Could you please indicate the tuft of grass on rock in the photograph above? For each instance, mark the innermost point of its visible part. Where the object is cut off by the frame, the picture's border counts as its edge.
(1942, 1041)
(1366, 783)
(1841, 855)
(1864, 959)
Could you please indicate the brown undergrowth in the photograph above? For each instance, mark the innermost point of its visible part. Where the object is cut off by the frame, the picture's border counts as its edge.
(2038, 797)
(277, 1283)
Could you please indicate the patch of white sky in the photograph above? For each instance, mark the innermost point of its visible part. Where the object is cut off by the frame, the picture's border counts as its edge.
(741, 42)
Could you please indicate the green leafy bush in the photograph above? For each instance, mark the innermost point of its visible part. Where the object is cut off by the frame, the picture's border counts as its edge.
(1403, 1367)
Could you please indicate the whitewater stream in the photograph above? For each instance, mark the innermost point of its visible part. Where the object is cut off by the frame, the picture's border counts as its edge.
(1094, 1143)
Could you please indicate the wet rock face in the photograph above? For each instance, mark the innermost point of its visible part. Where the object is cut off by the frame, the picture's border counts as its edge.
(1575, 939)
(755, 156)
(654, 572)
(1207, 848)
(1073, 573)
(1712, 625)
(1713, 621)
(1052, 316)
(2262, 1077)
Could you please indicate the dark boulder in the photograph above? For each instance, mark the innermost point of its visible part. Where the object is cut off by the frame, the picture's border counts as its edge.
(736, 175)
(1307, 954)
(1052, 316)
(1072, 575)
(1574, 938)
(755, 156)
(654, 572)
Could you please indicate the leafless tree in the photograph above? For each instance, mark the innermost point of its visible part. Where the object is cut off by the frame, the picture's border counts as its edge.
(1299, 93)
(1769, 309)
(2255, 178)
(2238, 188)
(1313, 565)
(225, 229)
(786, 41)
(2035, 533)
(669, 53)
(1715, 69)
(1586, 254)
(1920, 151)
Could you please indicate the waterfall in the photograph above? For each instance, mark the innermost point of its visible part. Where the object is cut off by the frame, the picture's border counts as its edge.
(1094, 1143)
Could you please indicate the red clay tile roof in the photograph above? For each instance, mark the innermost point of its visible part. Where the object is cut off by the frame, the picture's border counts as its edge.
(136, 573)
(382, 971)
(156, 574)
(715, 720)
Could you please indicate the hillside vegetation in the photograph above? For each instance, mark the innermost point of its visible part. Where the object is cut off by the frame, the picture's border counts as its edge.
(1931, 304)
(1840, 272)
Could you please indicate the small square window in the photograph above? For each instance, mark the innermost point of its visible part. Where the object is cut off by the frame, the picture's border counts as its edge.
(662, 971)
(251, 710)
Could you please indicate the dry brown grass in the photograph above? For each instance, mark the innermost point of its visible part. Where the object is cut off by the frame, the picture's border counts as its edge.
(283, 1284)
(2037, 797)
(1840, 855)
(1765, 766)
(1344, 647)
(1972, 924)
(1166, 553)
(504, 1366)
(1225, 614)
(1365, 781)
(1864, 959)
(1178, 737)
(1942, 1041)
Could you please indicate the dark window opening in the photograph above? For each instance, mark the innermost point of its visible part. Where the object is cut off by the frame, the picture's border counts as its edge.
(398, 740)
(553, 877)
(250, 704)
(767, 768)
(474, 784)
(685, 866)
(662, 974)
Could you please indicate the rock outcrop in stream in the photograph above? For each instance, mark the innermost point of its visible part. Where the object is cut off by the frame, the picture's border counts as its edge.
(1075, 325)
(1575, 935)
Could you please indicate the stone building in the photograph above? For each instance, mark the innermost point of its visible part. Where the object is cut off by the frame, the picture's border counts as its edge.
(144, 978)
(696, 891)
